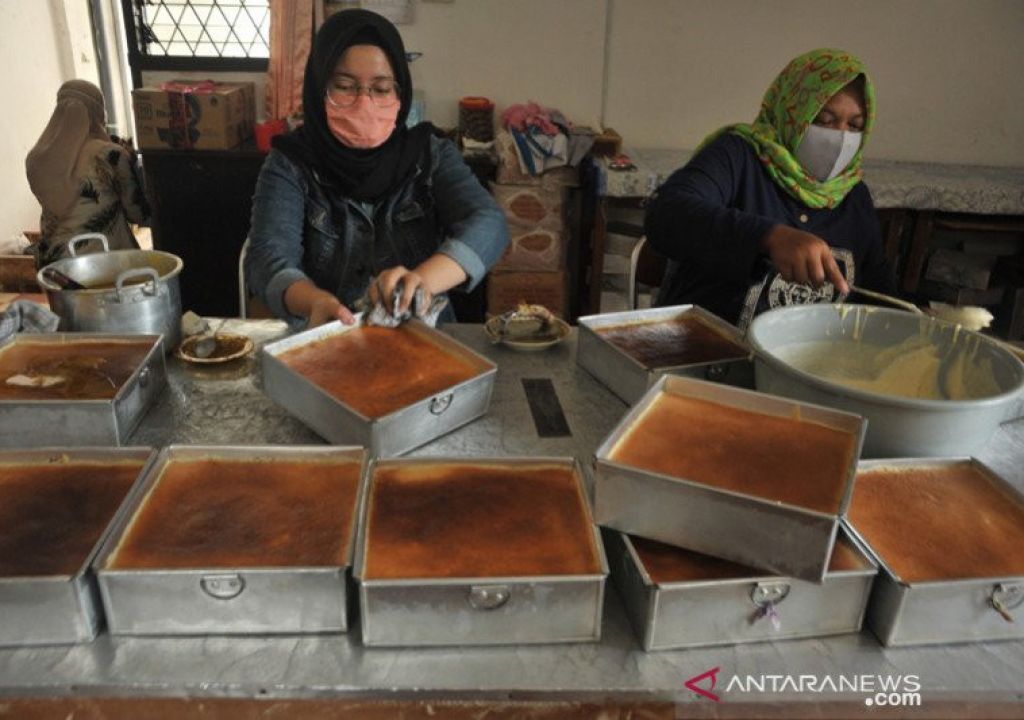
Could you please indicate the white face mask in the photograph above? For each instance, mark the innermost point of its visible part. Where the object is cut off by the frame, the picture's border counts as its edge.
(825, 153)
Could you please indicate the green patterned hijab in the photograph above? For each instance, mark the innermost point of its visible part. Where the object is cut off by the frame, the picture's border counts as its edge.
(792, 102)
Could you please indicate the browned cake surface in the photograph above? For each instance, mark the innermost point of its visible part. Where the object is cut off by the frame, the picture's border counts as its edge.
(52, 515)
(379, 370)
(668, 564)
(779, 459)
(939, 523)
(682, 341)
(227, 513)
(92, 370)
(438, 520)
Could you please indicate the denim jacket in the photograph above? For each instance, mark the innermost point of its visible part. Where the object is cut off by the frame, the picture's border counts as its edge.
(303, 228)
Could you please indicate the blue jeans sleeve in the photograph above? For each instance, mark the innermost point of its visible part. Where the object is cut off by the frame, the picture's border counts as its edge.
(274, 260)
(476, 233)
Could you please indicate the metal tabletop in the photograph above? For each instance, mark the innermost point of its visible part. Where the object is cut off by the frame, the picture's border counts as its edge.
(225, 406)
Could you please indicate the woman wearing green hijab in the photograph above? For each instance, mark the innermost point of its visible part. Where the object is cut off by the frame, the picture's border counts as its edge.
(774, 213)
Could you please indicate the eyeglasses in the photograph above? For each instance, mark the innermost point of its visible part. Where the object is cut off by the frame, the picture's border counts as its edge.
(383, 93)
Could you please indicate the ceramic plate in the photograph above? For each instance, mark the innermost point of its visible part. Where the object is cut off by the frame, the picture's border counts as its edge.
(229, 347)
(528, 344)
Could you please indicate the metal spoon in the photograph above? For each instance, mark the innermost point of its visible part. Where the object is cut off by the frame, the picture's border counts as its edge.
(204, 346)
(908, 306)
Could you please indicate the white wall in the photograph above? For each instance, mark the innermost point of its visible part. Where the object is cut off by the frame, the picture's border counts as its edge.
(550, 51)
(947, 73)
(42, 46)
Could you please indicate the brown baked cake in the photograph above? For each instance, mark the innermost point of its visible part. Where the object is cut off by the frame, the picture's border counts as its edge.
(53, 514)
(377, 370)
(686, 340)
(73, 370)
(668, 564)
(939, 522)
(234, 513)
(779, 459)
(468, 520)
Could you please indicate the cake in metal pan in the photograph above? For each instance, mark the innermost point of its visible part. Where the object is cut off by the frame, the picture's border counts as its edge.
(780, 459)
(437, 520)
(235, 513)
(685, 340)
(376, 370)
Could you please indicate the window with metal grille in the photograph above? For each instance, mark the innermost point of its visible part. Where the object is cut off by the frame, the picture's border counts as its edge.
(198, 34)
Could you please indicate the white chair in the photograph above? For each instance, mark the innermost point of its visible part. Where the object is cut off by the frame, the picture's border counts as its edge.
(646, 270)
(243, 293)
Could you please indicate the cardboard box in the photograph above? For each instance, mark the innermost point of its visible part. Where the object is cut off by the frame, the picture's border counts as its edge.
(505, 290)
(533, 249)
(509, 172)
(185, 114)
(531, 206)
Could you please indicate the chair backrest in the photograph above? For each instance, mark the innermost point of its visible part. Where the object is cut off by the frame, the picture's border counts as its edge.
(243, 292)
(646, 268)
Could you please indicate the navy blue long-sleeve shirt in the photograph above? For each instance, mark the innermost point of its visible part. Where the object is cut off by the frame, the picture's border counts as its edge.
(710, 216)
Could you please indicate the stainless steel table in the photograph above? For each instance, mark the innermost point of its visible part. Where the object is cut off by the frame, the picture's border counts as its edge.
(225, 405)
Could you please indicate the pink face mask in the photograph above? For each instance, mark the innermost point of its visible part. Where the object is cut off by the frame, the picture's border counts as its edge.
(363, 124)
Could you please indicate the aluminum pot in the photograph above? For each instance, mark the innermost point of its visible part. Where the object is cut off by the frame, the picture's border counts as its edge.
(897, 426)
(126, 291)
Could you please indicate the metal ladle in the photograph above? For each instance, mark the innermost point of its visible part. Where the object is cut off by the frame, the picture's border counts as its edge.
(205, 345)
(908, 306)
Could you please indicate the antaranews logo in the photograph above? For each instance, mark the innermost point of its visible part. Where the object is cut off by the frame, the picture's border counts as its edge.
(878, 690)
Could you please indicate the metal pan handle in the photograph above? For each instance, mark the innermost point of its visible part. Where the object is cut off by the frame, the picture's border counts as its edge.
(1006, 597)
(441, 403)
(77, 240)
(131, 273)
(222, 587)
(488, 597)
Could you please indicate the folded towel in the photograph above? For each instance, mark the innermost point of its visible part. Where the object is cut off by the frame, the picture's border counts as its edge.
(377, 314)
(27, 316)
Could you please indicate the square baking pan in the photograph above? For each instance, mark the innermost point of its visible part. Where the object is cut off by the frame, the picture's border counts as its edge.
(947, 534)
(747, 477)
(57, 506)
(235, 541)
(47, 416)
(478, 552)
(628, 351)
(425, 413)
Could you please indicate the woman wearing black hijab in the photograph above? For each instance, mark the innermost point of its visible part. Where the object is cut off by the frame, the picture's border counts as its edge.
(353, 200)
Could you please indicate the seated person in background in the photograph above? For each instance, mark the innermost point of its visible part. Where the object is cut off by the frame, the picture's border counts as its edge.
(775, 213)
(84, 180)
(354, 195)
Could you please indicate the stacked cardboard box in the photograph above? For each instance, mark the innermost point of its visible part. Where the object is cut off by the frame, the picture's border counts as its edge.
(532, 269)
(185, 114)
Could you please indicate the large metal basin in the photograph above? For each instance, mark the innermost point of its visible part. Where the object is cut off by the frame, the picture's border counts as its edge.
(897, 426)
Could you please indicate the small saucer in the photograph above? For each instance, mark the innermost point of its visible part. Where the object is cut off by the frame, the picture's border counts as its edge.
(528, 343)
(229, 347)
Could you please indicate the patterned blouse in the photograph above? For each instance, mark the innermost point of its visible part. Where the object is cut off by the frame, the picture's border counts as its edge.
(110, 198)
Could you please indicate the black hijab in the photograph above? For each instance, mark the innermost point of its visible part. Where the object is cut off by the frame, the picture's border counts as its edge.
(364, 174)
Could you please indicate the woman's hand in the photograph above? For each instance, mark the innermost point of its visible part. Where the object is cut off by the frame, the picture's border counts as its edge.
(305, 299)
(382, 290)
(803, 257)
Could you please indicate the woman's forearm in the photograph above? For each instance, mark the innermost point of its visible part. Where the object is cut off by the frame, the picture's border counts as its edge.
(440, 273)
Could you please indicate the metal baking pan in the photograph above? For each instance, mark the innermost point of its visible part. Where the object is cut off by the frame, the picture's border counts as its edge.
(60, 608)
(737, 609)
(692, 513)
(438, 611)
(943, 611)
(225, 600)
(34, 423)
(395, 433)
(629, 378)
